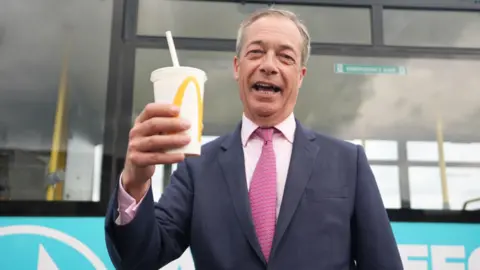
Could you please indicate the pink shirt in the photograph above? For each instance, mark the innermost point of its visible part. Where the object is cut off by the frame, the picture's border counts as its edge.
(252, 148)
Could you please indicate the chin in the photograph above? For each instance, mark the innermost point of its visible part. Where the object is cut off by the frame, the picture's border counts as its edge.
(263, 110)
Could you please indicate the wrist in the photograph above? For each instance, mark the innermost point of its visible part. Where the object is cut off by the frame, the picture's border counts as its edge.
(136, 189)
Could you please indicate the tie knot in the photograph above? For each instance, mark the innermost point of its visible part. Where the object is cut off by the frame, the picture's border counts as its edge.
(265, 133)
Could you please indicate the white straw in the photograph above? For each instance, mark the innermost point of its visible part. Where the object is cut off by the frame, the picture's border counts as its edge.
(171, 48)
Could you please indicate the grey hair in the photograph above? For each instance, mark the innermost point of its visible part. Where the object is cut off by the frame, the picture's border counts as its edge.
(281, 13)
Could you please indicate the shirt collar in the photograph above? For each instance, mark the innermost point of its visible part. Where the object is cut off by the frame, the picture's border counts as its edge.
(287, 128)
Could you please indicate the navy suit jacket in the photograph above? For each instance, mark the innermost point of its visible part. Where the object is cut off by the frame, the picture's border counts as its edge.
(331, 216)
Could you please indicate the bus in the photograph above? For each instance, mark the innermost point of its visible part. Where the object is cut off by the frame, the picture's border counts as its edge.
(398, 78)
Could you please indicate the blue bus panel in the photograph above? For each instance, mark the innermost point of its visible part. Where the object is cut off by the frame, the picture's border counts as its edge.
(78, 243)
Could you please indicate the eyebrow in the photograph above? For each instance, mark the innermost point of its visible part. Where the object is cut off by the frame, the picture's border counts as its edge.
(282, 47)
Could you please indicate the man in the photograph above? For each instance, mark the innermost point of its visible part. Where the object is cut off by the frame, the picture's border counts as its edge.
(270, 195)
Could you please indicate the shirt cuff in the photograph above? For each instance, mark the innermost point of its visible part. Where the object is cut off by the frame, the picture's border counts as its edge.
(127, 206)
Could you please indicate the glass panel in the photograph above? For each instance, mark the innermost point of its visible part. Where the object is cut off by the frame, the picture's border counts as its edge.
(432, 28)
(391, 98)
(425, 188)
(454, 152)
(200, 19)
(463, 184)
(52, 116)
(388, 182)
(157, 182)
(192, 18)
(422, 151)
(462, 152)
(381, 150)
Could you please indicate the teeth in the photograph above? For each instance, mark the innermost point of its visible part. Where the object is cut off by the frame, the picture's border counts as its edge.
(264, 87)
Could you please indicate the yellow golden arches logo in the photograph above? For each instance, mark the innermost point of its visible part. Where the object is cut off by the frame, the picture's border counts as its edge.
(178, 100)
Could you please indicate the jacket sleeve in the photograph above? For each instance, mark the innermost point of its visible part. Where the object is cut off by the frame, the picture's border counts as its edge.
(373, 244)
(159, 232)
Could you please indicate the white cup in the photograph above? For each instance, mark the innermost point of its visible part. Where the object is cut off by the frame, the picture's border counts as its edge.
(184, 87)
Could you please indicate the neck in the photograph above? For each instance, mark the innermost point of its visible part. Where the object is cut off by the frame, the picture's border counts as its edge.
(267, 121)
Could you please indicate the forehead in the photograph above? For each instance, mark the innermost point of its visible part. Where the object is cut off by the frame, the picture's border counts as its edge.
(274, 30)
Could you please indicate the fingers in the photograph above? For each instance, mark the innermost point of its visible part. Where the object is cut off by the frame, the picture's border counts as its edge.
(159, 125)
(144, 159)
(158, 143)
(156, 130)
(157, 110)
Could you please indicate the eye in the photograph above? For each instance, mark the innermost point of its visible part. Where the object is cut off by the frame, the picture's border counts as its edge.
(256, 51)
(287, 58)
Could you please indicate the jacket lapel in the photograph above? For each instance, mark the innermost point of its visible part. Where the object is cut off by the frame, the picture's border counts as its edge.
(233, 166)
(304, 152)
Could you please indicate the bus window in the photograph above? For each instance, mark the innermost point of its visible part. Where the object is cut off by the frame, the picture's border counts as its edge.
(53, 96)
(449, 175)
(326, 24)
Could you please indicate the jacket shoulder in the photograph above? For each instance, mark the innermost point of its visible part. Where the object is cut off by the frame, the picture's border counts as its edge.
(332, 143)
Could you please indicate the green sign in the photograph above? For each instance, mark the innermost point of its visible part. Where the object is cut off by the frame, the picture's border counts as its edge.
(369, 69)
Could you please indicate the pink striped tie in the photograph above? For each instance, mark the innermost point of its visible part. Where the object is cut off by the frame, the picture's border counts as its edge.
(263, 193)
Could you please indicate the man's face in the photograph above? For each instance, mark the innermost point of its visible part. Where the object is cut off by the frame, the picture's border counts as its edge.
(269, 69)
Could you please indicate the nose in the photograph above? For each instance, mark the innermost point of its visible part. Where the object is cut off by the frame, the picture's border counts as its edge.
(268, 65)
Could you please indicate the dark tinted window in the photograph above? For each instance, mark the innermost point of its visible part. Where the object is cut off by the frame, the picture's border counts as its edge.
(201, 19)
(432, 28)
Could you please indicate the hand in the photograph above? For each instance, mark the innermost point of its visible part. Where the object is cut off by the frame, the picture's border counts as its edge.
(155, 130)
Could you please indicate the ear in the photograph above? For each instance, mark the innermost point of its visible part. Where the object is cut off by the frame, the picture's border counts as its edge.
(303, 72)
(236, 63)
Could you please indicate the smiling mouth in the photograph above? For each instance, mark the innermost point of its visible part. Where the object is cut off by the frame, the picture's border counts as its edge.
(266, 87)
